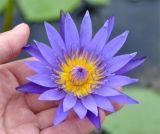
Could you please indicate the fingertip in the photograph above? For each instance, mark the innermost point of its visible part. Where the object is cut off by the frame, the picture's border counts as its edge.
(12, 42)
(22, 29)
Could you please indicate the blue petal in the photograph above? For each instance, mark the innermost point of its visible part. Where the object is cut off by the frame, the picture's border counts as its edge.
(80, 109)
(106, 91)
(131, 65)
(90, 104)
(55, 39)
(47, 53)
(118, 62)
(124, 99)
(52, 94)
(39, 67)
(71, 34)
(60, 114)
(34, 51)
(104, 103)
(111, 25)
(112, 47)
(94, 119)
(86, 30)
(42, 79)
(69, 101)
(99, 39)
(32, 88)
(62, 23)
(117, 81)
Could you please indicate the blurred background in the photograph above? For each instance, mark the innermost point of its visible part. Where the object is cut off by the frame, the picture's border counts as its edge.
(140, 17)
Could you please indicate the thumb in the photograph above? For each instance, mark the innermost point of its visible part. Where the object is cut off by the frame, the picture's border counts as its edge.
(11, 42)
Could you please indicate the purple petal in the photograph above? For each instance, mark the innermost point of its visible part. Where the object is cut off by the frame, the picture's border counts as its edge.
(118, 62)
(111, 25)
(69, 101)
(52, 94)
(106, 91)
(47, 52)
(71, 34)
(99, 39)
(62, 23)
(112, 47)
(124, 99)
(39, 67)
(42, 79)
(60, 115)
(94, 119)
(32, 88)
(55, 39)
(90, 104)
(117, 81)
(80, 109)
(131, 65)
(34, 51)
(86, 30)
(104, 103)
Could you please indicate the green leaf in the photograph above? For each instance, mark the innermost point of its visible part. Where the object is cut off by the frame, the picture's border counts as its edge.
(3, 4)
(99, 2)
(41, 10)
(143, 118)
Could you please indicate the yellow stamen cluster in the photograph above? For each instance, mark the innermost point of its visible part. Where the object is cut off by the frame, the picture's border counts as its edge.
(80, 87)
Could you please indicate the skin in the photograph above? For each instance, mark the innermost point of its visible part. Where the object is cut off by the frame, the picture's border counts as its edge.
(22, 113)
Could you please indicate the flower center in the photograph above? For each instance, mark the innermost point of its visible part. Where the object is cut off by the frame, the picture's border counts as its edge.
(80, 74)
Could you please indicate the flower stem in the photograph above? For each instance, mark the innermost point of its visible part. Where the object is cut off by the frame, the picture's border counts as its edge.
(8, 15)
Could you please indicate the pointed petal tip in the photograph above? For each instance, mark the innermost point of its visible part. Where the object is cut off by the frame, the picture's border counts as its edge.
(133, 54)
(62, 12)
(106, 23)
(134, 81)
(112, 18)
(87, 13)
(137, 102)
(144, 58)
(27, 46)
(112, 110)
(41, 97)
(68, 16)
(18, 88)
(55, 123)
(134, 102)
(46, 24)
(125, 33)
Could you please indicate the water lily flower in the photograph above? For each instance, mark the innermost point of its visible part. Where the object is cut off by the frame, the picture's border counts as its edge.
(79, 71)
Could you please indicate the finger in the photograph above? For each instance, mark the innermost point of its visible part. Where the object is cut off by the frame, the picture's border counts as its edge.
(45, 118)
(20, 74)
(36, 105)
(11, 42)
(74, 126)
(117, 106)
(20, 70)
(18, 118)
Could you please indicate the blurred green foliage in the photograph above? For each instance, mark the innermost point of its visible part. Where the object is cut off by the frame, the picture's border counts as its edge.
(3, 4)
(99, 2)
(137, 119)
(40, 10)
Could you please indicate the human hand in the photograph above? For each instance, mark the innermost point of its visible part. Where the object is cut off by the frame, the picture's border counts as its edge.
(22, 113)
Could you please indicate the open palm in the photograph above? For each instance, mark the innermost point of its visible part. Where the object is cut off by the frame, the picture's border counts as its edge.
(22, 113)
